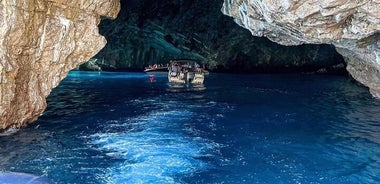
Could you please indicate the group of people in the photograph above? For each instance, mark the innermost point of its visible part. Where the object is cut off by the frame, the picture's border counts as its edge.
(155, 66)
(176, 68)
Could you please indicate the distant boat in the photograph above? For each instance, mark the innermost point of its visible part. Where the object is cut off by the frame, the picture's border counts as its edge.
(157, 70)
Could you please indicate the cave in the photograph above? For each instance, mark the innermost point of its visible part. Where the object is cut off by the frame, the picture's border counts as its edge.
(291, 94)
(154, 32)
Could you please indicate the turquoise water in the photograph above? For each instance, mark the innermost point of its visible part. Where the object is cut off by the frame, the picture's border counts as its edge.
(125, 128)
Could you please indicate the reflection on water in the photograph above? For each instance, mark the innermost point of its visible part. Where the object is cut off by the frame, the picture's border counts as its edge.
(177, 87)
(154, 150)
(355, 128)
(123, 128)
(160, 145)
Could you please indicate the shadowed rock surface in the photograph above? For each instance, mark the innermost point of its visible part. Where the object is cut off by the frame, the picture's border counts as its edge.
(40, 41)
(149, 32)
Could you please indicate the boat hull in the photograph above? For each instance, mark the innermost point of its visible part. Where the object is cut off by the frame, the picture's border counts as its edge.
(187, 77)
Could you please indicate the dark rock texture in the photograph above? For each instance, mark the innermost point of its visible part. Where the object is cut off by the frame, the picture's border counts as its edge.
(148, 32)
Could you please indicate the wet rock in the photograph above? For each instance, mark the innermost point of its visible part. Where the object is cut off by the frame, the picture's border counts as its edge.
(40, 41)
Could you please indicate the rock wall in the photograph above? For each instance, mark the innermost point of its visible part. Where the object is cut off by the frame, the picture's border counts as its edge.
(353, 27)
(40, 41)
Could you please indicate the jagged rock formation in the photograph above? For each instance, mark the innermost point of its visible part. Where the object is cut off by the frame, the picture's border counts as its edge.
(147, 32)
(353, 27)
(40, 41)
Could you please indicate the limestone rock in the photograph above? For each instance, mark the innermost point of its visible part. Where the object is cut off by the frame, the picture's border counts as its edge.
(353, 27)
(40, 42)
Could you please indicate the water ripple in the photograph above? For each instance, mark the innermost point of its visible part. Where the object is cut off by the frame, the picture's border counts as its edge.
(158, 153)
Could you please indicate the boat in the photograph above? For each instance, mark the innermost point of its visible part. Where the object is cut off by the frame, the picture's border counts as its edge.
(156, 69)
(185, 71)
(152, 70)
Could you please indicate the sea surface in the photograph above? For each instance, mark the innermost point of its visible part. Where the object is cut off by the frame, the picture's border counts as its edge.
(104, 127)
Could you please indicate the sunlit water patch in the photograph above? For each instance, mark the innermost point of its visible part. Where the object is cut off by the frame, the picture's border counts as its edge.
(154, 150)
(162, 145)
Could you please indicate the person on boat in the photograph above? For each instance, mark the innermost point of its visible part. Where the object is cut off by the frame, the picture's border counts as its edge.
(199, 70)
(174, 69)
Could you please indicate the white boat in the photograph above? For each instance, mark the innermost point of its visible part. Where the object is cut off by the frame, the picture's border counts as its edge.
(164, 70)
(185, 71)
(157, 70)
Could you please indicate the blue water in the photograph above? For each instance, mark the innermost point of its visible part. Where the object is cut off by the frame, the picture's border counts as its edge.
(125, 128)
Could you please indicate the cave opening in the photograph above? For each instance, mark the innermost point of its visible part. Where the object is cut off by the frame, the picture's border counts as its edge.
(153, 32)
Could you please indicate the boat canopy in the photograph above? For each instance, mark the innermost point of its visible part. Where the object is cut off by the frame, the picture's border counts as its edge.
(186, 63)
